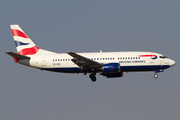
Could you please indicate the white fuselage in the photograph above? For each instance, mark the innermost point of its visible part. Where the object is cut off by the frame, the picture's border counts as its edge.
(129, 61)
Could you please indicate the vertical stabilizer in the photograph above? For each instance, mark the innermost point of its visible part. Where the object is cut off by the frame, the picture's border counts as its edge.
(24, 45)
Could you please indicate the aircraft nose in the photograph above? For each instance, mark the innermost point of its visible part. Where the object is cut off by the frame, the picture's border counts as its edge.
(172, 62)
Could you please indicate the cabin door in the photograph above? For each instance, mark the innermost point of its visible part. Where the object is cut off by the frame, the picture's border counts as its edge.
(43, 61)
(151, 60)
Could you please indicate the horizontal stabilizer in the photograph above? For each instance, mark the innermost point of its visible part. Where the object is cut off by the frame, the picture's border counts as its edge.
(15, 55)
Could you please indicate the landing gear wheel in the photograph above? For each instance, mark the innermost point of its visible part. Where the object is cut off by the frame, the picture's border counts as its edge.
(93, 77)
(155, 76)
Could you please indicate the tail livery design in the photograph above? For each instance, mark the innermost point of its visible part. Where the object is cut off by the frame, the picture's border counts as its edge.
(24, 44)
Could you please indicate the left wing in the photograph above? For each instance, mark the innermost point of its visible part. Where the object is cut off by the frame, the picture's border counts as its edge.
(84, 62)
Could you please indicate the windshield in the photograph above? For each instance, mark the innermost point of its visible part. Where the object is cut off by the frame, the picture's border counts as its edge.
(163, 57)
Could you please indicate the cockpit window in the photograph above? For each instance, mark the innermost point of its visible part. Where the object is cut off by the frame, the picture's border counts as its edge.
(163, 57)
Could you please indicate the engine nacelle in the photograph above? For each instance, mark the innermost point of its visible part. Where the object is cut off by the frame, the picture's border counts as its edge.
(111, 68)
(113, 75)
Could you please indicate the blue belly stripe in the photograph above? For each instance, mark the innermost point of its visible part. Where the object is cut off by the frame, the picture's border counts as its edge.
(123, 69)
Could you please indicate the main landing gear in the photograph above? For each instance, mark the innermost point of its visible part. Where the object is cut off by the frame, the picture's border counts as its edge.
(93, 77)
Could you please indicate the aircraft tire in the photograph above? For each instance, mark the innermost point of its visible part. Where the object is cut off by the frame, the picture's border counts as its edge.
(155, 76)
(93, 77)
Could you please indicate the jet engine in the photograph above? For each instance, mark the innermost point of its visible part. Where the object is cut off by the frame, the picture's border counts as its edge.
(113, 75)
(111, 68)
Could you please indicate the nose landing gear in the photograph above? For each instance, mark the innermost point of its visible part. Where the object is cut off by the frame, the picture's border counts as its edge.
(158, 71)
(155, 75)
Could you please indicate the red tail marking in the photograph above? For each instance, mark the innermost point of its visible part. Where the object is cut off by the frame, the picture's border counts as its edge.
(16, 32)
(16, 59)
(29, 51)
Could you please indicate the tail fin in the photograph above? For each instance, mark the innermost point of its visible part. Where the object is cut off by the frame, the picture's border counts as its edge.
(24, 45)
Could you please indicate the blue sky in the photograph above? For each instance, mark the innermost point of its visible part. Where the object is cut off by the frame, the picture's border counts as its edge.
(90, 26)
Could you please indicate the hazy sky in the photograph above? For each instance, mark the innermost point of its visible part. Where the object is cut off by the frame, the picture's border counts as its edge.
(89, 26)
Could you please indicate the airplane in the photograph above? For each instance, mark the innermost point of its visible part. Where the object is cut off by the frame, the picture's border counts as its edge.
(108, 64)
